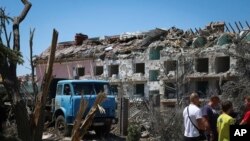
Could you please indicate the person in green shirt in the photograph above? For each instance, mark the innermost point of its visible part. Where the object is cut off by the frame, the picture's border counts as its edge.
(224, 121)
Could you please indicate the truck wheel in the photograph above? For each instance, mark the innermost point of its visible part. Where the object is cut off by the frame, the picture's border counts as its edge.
(61, 126)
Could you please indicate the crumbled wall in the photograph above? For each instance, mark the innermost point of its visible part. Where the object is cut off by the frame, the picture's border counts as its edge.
(128, 78)
(152, 48)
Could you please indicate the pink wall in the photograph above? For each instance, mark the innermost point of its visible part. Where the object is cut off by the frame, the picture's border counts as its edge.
(65, 69)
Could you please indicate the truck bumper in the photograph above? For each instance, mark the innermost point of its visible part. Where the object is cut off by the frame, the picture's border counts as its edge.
(104, 121)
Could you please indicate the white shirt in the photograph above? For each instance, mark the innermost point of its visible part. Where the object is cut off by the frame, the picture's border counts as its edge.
(194, 113)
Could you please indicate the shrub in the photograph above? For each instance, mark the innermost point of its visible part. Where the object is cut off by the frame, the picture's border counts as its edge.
(134, 133)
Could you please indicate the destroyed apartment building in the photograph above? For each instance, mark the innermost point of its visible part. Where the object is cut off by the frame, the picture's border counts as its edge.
(170, 62)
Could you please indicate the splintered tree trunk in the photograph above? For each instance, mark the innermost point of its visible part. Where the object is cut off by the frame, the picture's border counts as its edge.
(34, 86)
(80, 129)
(78, 120)
(38, 115)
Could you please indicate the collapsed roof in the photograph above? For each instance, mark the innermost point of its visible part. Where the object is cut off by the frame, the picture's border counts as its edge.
(129, 45)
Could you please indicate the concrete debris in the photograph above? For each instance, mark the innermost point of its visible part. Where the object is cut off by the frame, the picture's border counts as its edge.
(145, 134)
(247, 38)
(199, 42)
(108, 48)
(224, 39)
(152, 62)
(171, 74)
(47, 136)
(132, 43)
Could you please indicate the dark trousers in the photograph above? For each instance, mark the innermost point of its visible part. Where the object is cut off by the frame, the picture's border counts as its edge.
(209, 138)
(191, 138)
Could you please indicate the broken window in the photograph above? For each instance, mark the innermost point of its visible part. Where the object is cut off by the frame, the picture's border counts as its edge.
(218, 86)
(98, 70)
(114, 69)
(140, 68)
(170, 66)
(222, 64)
(67, 90)
(81, 71)
(170, 90)
(201, 88)
(202, 65)
(154, 53)
(153, 75)
(139, 89)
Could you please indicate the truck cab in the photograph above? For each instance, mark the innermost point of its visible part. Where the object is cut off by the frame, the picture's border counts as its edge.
(67, 101)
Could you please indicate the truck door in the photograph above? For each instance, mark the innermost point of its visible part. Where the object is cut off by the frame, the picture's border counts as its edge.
(66, 99)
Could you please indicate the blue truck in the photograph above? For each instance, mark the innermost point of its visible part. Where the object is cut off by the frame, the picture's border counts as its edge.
(66, 99)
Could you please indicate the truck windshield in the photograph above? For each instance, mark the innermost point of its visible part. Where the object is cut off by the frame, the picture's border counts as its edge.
(90, 88)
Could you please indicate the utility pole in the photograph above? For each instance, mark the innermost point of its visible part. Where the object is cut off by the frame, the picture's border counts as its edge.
(176, 79)
(122, 110)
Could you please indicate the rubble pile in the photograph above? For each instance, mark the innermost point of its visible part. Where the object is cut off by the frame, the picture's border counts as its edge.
(183, 48)
(155, 123)
(140, 114)
(129, 45)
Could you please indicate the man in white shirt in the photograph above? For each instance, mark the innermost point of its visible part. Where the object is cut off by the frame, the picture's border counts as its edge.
(193, 112)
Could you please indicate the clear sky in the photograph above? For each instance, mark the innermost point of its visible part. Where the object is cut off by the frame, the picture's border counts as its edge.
(109, 17)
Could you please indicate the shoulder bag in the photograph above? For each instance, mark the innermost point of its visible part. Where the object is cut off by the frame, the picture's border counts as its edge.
(202, 135)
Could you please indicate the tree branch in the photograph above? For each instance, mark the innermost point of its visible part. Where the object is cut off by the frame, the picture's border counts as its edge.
(16, 34)
(31, 62)
(4, 16)
(4, 19)
(27, 6)
(17, 21)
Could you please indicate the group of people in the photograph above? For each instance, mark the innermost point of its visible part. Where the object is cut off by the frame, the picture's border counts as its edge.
(213, 119)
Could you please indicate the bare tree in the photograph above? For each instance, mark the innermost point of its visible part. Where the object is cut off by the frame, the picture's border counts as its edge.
(34, 86)
(9, 63)
(38, 114)
(9, 58)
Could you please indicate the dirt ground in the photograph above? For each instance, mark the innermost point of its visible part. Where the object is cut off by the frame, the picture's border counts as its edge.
(93, 137)
(89, 137)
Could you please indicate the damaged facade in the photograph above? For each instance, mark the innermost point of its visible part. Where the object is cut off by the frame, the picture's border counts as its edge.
(170, 62)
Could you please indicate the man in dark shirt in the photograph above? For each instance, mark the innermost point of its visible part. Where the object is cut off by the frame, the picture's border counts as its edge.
(210, 115)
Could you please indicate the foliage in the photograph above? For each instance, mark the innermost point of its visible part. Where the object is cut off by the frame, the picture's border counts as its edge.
(12, 55)
(134, 133)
